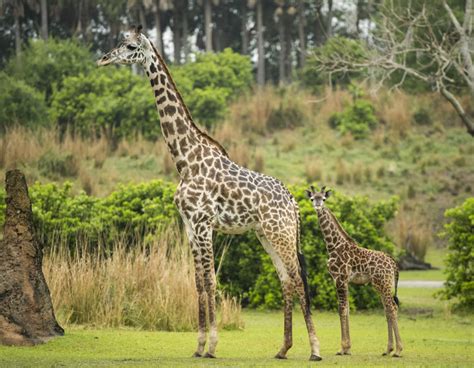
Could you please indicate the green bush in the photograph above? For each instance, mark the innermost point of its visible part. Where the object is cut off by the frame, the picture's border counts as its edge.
(422, 117)
(247, 270)
(460, 261)
(140, 211)
(289, 113)
(20, 104)
(131, 211)
(210, 82)
(109, 102)
(346, 48)
(358, 118)
(44, 65)
(56, 166)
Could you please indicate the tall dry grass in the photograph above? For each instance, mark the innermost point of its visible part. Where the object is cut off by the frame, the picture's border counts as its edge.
(270, 108)
(142, 286)
(394, 111)
(411, 233)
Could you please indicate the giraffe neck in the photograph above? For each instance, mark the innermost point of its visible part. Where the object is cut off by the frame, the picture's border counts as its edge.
(183, 138)
(334, 235)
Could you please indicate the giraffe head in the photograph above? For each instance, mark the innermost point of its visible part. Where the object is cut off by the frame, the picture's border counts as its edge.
(318, 198)
(132, 50)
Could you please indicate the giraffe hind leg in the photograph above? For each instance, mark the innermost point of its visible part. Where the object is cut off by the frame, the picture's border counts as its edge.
(342, 289)
(287, 290)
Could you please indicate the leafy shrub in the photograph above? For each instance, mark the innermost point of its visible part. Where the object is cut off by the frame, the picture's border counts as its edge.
(422, 117)
(248, 271)
(44, 65)
(108, 102)
(460, 260)
(288, 114)
(136, 213)
(132, 210)
(358, 119)
(56, 165)
(210, 82)
(20, 104)
(346, 48)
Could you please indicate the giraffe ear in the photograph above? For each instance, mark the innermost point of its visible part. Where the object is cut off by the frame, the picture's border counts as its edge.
(308, 194)
(139, 28)
(328, 193)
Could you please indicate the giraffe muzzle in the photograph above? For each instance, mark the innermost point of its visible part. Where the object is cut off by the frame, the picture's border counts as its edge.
(104, 60)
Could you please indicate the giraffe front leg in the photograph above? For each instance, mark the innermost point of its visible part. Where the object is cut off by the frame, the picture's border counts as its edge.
(205, 237)
(211, 303)
(343, 301)
(199, 278)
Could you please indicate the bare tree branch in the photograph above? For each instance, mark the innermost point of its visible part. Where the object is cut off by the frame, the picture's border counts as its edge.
(403, 35)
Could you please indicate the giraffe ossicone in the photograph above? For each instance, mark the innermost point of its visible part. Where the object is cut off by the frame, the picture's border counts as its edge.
(216, 194)
(350, 263)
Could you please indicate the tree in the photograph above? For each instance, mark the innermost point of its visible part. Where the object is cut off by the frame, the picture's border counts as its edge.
(301, 32)
(260, 41)
(420, 44)
(284, 14)
(460, 259)
(18, 10)
(208, 24)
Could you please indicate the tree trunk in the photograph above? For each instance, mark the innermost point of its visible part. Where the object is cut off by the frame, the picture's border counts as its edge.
(466, 119)
(243, 29)
(329, 21)
(80, 9)
(141, 17)
(320, 29)
(177, 35)
(17, 35)
(185, 42)
(26, 312)
(281, 56)
(208, 24)
(301, 32)
(44, 19)
(261, 54)
(159, 35)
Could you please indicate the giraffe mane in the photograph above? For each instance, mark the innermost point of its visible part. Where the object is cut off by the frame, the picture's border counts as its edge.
(180, 99)
(340, 228)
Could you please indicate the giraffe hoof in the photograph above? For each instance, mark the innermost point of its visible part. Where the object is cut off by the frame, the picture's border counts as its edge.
(315, 358)
(343, 353)
(396, 355)
(279, 356)
(197, 355)
(210, 356)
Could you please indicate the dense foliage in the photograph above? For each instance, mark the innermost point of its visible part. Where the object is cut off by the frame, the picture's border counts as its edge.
(345, 48)
(45, 65)
(20, 104)
(144, 209)
(460, 260)
(363, 220)
(111, 102)
(132, 210)
(358, 118)
(209, 83)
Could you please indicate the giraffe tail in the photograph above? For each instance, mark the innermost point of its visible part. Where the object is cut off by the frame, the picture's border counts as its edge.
(304, 278)
(395, 298)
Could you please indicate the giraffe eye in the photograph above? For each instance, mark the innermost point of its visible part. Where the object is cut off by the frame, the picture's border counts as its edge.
(131, 47)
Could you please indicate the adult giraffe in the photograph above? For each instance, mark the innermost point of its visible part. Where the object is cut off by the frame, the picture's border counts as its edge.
(217, 194)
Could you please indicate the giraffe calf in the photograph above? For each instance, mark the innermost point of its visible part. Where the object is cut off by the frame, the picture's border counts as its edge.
(350, 263)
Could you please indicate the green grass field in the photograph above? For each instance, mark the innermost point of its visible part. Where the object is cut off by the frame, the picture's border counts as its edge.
(432, 336)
